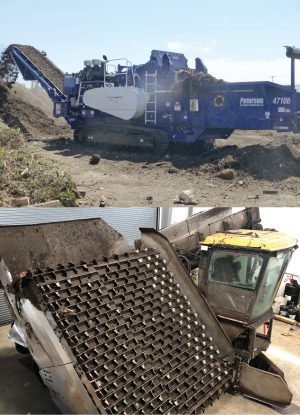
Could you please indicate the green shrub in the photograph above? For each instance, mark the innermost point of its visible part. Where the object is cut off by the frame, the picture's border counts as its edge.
(24, 173)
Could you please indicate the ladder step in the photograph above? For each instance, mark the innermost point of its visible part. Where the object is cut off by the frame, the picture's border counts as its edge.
(150, 107)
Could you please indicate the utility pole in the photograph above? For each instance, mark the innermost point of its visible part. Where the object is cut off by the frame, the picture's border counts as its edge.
(272, 77)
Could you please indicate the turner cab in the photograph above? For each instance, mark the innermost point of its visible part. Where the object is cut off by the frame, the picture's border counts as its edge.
(239, 274)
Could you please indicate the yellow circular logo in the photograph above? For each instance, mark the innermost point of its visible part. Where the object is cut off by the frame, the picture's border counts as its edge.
(219, 101)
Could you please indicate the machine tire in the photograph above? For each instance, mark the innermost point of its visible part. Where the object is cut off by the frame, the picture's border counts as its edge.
(76, 136)
(204, 146)
(161, 145)
(21, 349)
(36, 371)
(79, 136)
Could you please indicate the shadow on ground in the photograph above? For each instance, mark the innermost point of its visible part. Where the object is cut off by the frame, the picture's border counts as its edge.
(269, 162)
(20, 389)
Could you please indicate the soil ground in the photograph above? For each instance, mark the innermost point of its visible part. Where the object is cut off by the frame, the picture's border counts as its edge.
(28, 110)
(38, 98)
(44, 64)
(265, 169)
(258, 168)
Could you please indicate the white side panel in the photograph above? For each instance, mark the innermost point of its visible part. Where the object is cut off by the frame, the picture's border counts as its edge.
(122, 102)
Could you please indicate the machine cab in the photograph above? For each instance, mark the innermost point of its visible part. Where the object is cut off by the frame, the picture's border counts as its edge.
(243, 270)
(239, 274)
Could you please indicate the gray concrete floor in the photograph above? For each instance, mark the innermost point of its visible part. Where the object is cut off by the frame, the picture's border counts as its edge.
(21, 392)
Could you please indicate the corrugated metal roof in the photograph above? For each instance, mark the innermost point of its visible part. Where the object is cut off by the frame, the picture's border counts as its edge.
(127, 221)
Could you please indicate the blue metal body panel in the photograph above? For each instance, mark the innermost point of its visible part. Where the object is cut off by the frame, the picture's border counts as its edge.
(176, 60)
(219, 109)
(257, 106)
(71, 85)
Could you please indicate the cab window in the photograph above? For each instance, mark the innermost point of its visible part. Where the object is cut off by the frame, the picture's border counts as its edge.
(235, 269)
(269, 283)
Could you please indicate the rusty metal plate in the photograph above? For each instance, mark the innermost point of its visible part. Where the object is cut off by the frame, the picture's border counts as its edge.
(42, 245)
(264, 386)
(136, 341)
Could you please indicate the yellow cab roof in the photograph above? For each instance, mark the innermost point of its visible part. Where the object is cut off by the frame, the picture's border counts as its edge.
(247, 238)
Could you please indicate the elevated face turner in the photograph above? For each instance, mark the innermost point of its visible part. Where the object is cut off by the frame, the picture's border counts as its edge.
(122, 334)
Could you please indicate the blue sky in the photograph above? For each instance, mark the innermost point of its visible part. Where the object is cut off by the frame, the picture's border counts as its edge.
(239, 40)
